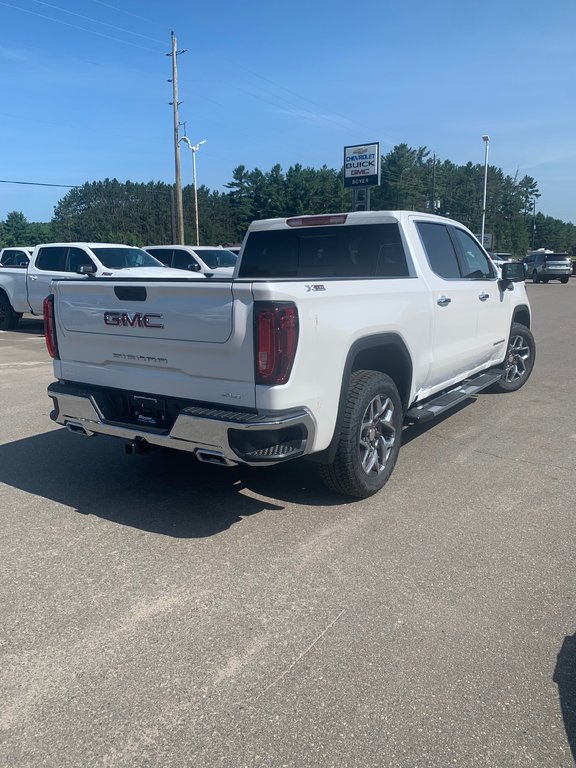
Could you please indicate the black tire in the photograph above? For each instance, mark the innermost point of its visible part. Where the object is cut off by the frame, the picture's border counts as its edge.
(535, 277)
(8, 318)
(564, 280)
(369, 439)
(519, 362)
(545, 279)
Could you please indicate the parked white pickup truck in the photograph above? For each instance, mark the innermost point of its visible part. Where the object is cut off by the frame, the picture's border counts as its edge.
(336, 330)
(24, 286)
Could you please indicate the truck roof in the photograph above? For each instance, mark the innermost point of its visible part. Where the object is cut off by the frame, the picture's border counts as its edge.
(88, 245)
(345, 218)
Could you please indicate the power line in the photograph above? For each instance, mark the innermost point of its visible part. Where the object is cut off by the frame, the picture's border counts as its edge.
(77, 26)
(96, 21)
(121, 10)
(40, 184)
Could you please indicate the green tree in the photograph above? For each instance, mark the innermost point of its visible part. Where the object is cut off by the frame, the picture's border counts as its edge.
(15, 229)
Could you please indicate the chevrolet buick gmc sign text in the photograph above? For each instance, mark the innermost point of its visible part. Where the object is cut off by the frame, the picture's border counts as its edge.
(362, 165)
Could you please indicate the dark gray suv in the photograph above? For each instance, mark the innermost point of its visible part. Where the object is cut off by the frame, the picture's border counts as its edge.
(545, 265)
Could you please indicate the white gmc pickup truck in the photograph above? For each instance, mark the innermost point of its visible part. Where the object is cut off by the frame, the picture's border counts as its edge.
(25, 279)
(334, 331)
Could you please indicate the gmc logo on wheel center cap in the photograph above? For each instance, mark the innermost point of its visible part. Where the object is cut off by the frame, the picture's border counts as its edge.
(135, 320)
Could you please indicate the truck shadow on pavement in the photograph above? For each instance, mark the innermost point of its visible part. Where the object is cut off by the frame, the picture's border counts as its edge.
(30, 326)
(565, 679)
(165, 492)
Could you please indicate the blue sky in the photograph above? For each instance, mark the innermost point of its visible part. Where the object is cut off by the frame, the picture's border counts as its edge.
(84, 92)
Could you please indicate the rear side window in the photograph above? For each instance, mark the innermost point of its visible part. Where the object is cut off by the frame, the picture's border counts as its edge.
(52, 259)
(439, 249)
(162, 254)
(368, 250)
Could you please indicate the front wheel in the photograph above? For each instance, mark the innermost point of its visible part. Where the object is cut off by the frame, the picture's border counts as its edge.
(519, 361)
(369, 439)
(564, 280)
(8, 318)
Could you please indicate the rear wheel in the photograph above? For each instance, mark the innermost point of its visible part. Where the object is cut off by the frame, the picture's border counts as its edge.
(8, 318)
(369, 439)
(519, 362)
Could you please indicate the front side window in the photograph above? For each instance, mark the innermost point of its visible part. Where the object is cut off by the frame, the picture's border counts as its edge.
(475, 263)
(14, 258)
(439, 249)
(184, 260)
(124, 258)
(78, 258)
(218, 257)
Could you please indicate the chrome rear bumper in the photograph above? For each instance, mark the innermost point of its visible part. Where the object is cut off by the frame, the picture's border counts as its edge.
(234, 437)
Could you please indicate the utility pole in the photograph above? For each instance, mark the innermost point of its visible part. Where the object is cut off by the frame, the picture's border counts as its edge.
(175, 103)
(434, 183)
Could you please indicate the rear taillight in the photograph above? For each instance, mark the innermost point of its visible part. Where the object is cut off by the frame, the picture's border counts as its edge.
(276, 339)
(50, 327)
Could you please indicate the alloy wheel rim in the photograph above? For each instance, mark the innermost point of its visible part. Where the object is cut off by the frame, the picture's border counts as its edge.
(516, 359)
(377, 435)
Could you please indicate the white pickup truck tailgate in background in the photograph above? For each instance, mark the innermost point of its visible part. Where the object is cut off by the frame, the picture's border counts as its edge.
(181, 340)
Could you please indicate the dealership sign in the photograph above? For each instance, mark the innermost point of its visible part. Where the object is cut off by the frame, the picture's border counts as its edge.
(362, 165)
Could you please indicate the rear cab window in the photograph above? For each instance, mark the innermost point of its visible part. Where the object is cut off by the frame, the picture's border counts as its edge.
(354, 251)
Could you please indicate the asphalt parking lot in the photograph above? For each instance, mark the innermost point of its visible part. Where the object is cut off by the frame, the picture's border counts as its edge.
(159, 612)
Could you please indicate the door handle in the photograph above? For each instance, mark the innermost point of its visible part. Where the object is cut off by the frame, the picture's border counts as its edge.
(33, 277)
(483, 296)
(443, 301)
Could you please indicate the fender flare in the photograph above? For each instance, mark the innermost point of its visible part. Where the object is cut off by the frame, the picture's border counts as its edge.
(365, 344)
(522, 310)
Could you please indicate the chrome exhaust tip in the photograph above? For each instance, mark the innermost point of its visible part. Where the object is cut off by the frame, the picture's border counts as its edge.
(213, 457)
(78, 429)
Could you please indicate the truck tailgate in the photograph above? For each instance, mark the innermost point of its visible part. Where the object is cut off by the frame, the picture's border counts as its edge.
(181, 338)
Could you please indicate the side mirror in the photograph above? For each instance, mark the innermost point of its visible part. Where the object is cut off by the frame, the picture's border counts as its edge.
(194, 267)
(513, 271)
(86, 269)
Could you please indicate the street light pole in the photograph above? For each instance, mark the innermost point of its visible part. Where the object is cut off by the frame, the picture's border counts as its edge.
(194, 148)
(486, 140)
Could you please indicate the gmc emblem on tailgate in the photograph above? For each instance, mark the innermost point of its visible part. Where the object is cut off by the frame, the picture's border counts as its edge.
(136, 320)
